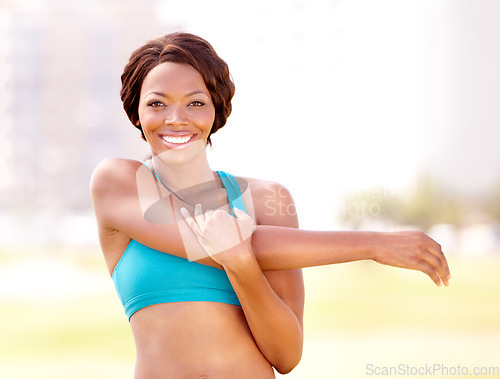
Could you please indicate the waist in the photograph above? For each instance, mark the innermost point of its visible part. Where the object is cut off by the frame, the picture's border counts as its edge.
(196, 339)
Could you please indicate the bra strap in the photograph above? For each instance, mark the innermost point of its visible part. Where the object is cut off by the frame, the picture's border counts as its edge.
(233, 191)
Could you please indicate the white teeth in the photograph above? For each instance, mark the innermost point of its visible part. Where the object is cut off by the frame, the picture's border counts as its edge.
(172, 139)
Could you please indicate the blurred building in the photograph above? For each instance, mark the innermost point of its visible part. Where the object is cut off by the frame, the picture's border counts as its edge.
(60, 111)
(396, 89)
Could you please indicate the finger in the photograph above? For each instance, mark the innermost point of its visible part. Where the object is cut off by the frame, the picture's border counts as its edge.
(244, 218)
(207, 217)
(238, 213)
(437, 266)
(426, 268)
(437, 251)
(240, 216)
(432, 241)
(199, 215)
(220, 214)
(240, 219)
(441, 264)
(190, 221)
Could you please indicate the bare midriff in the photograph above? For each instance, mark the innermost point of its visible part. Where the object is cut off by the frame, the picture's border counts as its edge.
(196, 340)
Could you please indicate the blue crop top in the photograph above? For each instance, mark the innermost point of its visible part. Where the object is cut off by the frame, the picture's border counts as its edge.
(145, 276)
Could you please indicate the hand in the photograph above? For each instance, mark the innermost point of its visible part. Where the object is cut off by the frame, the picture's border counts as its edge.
(415, 251)
(219, 232)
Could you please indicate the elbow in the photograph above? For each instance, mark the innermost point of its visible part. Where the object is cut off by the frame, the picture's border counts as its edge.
(286, 365)
(291, 354)
(286, 368)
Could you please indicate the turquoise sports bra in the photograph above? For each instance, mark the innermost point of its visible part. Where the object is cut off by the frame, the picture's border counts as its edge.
(145, 276)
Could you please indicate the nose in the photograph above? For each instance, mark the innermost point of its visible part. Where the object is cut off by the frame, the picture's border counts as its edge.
(176, 116)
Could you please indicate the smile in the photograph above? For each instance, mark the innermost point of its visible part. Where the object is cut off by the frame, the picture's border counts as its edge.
(177, 139)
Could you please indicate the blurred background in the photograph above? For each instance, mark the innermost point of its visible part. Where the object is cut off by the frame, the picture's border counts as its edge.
(377, 115)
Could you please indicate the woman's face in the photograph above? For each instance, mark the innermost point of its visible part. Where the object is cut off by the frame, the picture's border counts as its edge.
(176, 111)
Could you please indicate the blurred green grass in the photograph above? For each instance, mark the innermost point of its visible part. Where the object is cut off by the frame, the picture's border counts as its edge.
(364, 295)
(356, 313)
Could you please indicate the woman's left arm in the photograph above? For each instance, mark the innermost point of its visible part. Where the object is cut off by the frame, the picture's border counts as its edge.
(273, 305)
(272, 301)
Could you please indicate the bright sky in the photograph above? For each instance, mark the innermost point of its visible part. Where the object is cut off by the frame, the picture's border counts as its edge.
(326, 93)
(347, 95)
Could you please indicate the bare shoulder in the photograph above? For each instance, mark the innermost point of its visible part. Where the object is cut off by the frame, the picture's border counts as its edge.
(112, 185)
(111, 172)
(273, 203)
(265, 188)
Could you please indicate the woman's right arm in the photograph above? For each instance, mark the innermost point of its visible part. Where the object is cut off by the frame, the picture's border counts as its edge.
(282, 248)
(114, 191)
(117, 208)
(279, 248)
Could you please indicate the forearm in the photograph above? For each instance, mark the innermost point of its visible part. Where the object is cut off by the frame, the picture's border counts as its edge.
(274, 326)
(286, 248)
(279, 248)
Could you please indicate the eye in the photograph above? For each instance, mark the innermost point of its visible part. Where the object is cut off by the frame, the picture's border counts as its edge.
(196, 103)
(155, 104)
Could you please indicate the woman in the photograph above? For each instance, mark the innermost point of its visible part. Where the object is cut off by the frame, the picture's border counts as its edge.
(226, 300)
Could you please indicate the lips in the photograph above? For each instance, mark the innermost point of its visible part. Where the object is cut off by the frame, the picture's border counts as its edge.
(177, 140)
(173, 139)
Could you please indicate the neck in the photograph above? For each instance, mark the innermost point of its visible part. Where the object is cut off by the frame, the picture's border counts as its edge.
(181, 175)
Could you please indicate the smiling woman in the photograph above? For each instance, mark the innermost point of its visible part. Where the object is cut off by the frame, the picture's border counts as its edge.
(176, 112)
(178, 48)
(220, 294)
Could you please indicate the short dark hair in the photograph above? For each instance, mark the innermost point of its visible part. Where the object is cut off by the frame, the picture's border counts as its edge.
(178, 48)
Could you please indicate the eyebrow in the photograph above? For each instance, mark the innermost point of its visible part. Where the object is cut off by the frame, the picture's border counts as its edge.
(189, 94)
